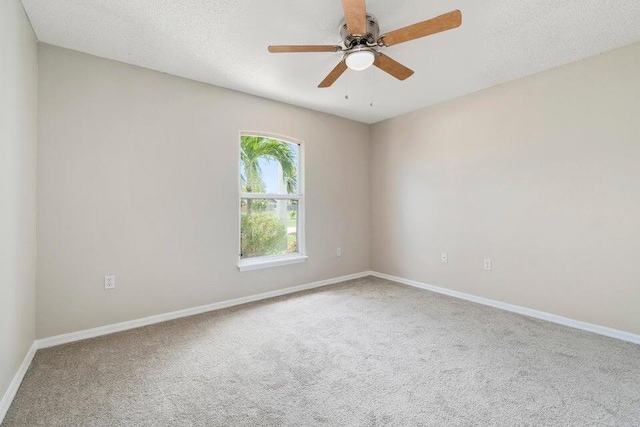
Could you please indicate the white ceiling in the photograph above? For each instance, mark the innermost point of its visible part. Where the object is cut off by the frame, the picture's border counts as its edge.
(224, 42)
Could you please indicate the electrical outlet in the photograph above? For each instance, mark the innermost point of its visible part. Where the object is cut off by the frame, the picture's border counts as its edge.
(487, 265)
(444, 257)
(339, 252)
(109, 282)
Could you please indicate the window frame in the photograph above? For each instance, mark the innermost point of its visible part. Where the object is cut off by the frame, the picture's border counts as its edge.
(267, 261)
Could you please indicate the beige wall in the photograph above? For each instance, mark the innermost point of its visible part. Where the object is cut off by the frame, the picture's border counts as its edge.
(138, 177)
(541, 175)
(18, 90)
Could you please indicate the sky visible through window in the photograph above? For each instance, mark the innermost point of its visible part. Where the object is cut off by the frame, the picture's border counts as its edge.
(270, 171)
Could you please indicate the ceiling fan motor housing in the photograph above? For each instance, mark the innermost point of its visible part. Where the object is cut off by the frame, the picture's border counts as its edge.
(369, 39)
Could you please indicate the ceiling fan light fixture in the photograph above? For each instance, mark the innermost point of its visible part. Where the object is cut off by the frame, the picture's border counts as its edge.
(361, 41)
(360, 59)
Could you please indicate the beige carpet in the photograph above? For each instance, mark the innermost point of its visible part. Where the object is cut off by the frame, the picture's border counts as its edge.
(364, 353)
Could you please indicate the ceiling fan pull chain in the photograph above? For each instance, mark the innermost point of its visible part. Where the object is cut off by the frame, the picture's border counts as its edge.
(346, 88)
(372, 92)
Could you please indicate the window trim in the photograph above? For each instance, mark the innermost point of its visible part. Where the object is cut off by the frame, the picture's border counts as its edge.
(259, 263)
(268, 261)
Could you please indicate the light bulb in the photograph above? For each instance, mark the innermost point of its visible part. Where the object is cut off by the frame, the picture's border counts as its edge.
(360, 59)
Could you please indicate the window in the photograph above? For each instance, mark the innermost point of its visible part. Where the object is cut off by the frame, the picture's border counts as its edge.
(271, 202)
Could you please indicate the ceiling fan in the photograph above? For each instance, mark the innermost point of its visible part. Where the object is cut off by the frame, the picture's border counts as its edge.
(362, 42)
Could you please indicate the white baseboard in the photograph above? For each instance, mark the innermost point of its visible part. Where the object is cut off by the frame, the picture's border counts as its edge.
(131, 324)
(602, 330)
(15, 383)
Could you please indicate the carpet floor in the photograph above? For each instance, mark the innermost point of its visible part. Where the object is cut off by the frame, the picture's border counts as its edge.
(367, 352)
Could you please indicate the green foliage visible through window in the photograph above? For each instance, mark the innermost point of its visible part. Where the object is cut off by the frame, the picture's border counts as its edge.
(269, 210)
(262, 234)
(255, 151)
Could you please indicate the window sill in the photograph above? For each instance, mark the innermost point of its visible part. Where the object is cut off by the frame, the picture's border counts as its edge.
(268, 262)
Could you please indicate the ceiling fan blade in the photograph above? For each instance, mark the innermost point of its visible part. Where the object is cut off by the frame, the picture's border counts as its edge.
(333, 75)
(392, 67)
(355, 13)
(303, 48)
(445, 22)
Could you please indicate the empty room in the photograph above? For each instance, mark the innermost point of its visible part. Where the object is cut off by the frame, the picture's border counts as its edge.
(319, 213)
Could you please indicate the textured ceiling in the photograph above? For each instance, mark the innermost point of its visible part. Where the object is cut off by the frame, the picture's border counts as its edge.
(224, 42)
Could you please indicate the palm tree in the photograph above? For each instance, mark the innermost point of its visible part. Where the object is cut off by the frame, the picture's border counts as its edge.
(253, 148)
